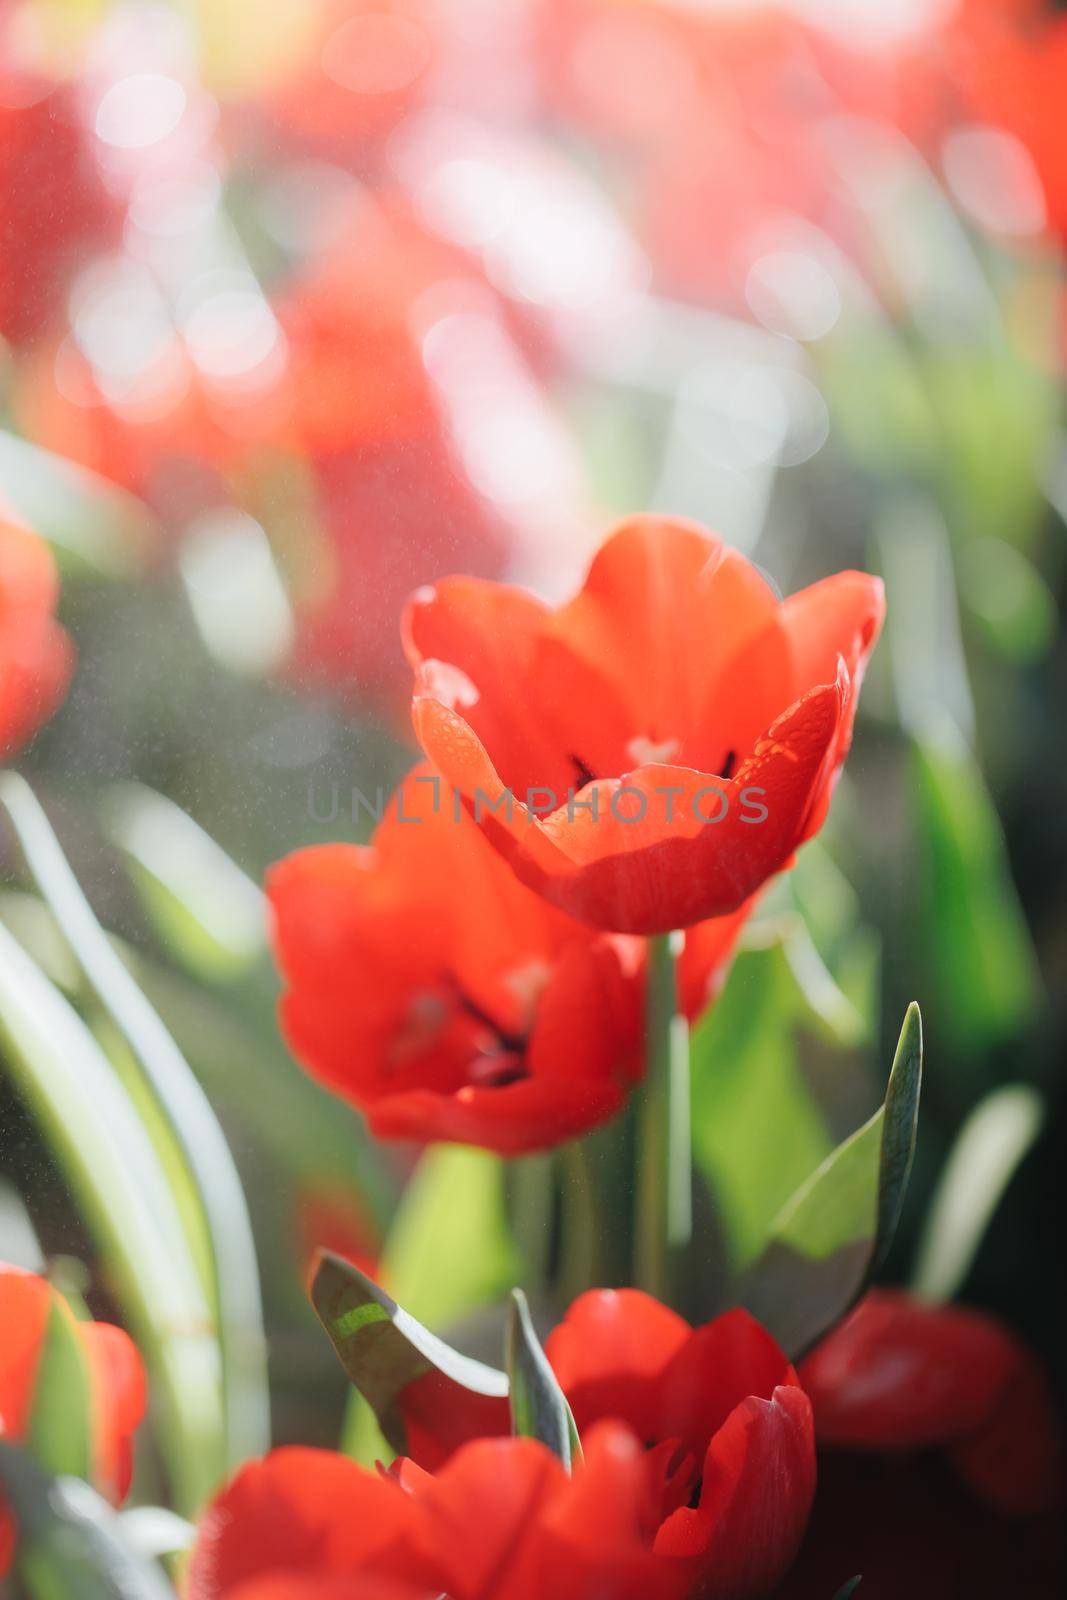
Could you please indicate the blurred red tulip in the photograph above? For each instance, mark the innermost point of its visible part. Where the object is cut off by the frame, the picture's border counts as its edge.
(1006, 60)
(36, 657)
(367, 67)
(116, 1379)
(329, 1217)
(717, 114)
(650, 753)
(899, 1376)
(53, 205)
(940, 1459)
(502, 1521)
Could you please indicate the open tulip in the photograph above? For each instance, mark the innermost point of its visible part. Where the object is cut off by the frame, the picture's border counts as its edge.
(726, 1426)
(116, 1384)
(430, 987)
(647, 755)
(502, 1521)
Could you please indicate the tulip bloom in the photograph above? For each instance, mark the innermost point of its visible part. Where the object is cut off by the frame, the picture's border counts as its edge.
(427, 985)
(54, 207)
(940, 1458)
(503, 1521)
(727, 1430)
(647, 755)
(116, 1382)
(36, 657)
(900, 1376)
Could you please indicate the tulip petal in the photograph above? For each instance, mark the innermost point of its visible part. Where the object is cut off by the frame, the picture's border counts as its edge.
(609, 1354)
(298, 1511)
(719, 1366)
(758, 1486)
(120, 1396)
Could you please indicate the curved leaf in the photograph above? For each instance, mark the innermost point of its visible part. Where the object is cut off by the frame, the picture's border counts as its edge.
(539, 1408)
(70, 1541)
(186, 1109)
(69, 1085)
(832, 1235)
(383, 1349)
(985, 1156)
(92, 522)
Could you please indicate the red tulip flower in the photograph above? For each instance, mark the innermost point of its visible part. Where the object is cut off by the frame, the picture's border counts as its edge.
(116, 1382)
(901, 1376)
(430, 987)
(940, 1459)
(36, 657)
(53, 204)
(650, 753)
(729, 1427)
(727, 1430)
(502, 1521)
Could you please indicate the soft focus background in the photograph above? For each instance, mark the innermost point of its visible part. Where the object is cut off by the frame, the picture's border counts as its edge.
(304, 304)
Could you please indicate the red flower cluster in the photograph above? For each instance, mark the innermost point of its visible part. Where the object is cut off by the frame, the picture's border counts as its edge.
(697, 1479)
(698, 1475)
(116, 1379)
(463, 978)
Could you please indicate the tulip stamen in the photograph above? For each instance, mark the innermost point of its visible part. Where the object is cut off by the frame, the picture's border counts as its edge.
(509, 1043)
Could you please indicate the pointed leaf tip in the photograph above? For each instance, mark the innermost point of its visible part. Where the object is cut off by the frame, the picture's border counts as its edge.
(384, 1349)
(899, 1130)
(829, 1238)
(539, 1408)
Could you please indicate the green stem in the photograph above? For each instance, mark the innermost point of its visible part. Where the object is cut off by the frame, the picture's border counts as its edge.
(664, 1222)
(580, 1217)
(531, 1186)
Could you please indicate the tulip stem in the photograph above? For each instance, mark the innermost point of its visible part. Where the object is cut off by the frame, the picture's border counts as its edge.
(664, 1187)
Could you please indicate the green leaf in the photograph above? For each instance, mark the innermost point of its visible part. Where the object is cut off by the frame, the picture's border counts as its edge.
(849, 1588)
(209, 915)
(105, 1154)
(988, 1149)
(70, 1543)
(980, 961)
(539, 1408)
(383, 1349)
(93, 523)
(172, 1104)
(59, 1436)
(1005, 591)
(758, 1128)
(448, 1253)
(831, 1236)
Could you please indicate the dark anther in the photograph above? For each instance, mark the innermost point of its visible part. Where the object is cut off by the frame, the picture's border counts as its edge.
(583, 773)
(728, 765)
(510, 1042)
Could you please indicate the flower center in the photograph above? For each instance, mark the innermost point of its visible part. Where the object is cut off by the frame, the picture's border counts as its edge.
(644, 751)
